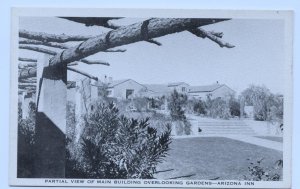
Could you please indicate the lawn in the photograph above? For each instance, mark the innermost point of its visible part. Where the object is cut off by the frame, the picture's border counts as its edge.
(213, 158)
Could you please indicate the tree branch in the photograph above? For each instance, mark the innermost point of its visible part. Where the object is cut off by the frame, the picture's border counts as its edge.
(27, 60)
(141, 31)
(27, 84)
(46, 51)
(27, 73)
(82, 73)
(94, 62)
(199, 32)
(154, 42)
(115, 50)
(36, 42)
(29, 80)
(41, 36)
(31, 64)
(73, 64)
(38, 49)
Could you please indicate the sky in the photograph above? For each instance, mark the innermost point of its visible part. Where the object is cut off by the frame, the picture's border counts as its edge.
(258, 56)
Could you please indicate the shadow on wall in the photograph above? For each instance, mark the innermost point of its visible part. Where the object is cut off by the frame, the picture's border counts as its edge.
(46, 158)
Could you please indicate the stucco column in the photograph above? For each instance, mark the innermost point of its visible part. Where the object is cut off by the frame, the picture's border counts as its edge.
(50, 120)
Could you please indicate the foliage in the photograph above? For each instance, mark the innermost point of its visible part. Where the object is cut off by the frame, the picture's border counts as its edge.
(200, 107)
(217, 108)
(176, 103)
(234, 107)
(116, 147)
(26, 141)
(140, 103)
(259, 173)
(267, 106)
(156, 103)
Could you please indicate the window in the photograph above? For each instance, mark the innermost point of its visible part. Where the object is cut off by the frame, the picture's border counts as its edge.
(183, 89)
(129, 93)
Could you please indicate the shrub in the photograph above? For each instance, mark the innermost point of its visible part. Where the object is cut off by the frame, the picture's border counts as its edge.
(218, 108)
(234, 107)
(259, 173)
(200, 107)
(176, 103)
(267, 106)
(116, 147)
(26, 142)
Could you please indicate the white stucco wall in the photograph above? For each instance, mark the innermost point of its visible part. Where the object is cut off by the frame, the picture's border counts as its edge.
(119, 91)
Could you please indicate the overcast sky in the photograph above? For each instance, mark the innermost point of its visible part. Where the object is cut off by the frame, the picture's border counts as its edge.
(258, 57)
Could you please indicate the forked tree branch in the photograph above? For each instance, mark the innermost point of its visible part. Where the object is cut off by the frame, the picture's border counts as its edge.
(47, 51)
(141, 31)
(41, 36)
(38, 49)
(94, 62)
(82, 73)
(49, 44)
(215, 37)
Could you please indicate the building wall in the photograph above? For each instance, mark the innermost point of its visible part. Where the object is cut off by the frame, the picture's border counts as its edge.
(179, 88)
(119, 91)
(223, 92)
(199, 95)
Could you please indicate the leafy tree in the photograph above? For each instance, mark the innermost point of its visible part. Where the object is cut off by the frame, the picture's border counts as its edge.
(115, 147)
(200, 107)
(234, 107)
(26, 142)
(176, 103)
(218, 108)
(266, 105)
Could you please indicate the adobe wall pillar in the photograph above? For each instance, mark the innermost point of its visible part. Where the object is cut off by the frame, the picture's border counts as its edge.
(50, 120)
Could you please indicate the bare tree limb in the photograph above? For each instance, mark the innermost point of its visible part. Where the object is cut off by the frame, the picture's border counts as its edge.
(27, 84)
(98, 21)
(27, 73)
(73, 64)
(31, 64)
(49, 44)
(199, 32)
(115, 50)
(154, 42)
(41, 36)
(94, 62)
(141, 31)
(46, 51)
(38, 49)
(29, 80)
(82, 73)
(27, 60)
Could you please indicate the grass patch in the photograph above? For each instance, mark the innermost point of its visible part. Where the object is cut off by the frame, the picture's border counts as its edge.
(213, 157)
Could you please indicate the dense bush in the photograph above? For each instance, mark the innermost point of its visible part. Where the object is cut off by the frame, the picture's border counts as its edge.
(176, 104)
(257, 172)
(200, 107)
(218, 108)
(267, 106)
(116, 147)
(234, 107)
(26, 142)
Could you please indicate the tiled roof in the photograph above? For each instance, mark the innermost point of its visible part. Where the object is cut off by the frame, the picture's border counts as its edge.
(205, 88)
(176, 84)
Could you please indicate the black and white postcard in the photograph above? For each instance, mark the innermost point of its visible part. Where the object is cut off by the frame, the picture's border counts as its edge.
(151, 98)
